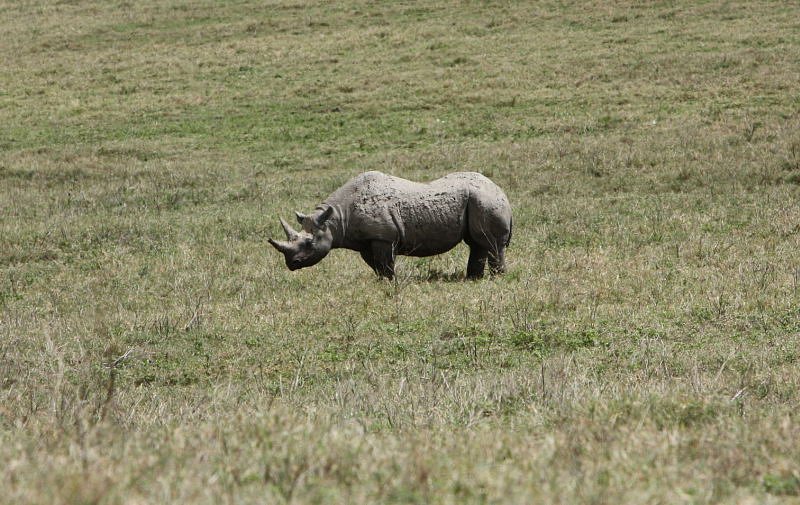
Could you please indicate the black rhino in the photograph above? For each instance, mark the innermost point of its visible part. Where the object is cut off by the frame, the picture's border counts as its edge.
(381, 216)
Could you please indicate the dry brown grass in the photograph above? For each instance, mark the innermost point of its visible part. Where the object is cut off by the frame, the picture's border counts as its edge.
(642, 348)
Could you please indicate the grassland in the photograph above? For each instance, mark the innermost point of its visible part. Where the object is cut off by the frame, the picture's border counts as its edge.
(644, 346)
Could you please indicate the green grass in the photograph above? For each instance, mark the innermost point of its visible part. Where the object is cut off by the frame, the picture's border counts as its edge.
(642, 348)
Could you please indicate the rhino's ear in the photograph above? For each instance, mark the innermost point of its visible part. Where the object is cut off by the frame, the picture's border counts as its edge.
(322, 218)
(300, 216)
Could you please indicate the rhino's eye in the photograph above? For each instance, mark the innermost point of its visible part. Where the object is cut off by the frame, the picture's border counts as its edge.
(308, 242)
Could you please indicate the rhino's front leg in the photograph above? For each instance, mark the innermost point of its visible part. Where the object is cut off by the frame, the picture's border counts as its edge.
(383, 258)
(366, 255)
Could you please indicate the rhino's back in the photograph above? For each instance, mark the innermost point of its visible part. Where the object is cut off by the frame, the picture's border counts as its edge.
(422, 218)
(433, 216)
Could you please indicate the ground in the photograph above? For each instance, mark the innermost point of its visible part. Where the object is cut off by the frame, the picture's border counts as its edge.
(644, 346)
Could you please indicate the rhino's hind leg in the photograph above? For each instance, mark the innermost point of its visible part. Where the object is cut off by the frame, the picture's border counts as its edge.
(488, 219)
(483, 246)
(383, 258)
(479, 253)
(497, 260)
(476, 262)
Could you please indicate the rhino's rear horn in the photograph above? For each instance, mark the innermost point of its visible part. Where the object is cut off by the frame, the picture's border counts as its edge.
(300, 216)
(290, 233)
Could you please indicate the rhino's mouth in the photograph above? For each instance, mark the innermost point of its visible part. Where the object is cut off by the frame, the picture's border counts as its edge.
(298, 263)
(305, 261)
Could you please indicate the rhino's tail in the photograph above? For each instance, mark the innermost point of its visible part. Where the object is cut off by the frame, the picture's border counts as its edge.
(510, 231)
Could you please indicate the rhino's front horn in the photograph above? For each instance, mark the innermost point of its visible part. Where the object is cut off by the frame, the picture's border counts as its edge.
(290, 233)
(280, 246)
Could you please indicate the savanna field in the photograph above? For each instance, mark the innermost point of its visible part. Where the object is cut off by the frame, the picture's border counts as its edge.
(643, 347)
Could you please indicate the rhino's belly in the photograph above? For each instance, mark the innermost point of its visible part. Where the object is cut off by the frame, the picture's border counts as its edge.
(430, 239)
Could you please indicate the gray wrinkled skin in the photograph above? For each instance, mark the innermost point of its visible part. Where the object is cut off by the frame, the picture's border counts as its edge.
(381, 216)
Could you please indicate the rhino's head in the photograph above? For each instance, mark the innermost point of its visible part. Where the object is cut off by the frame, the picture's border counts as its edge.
(308, 246)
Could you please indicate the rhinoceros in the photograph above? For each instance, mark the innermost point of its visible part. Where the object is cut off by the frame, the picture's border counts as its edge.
(381, 216)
